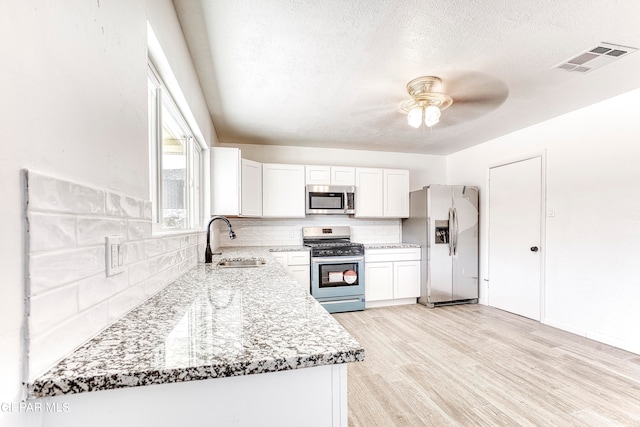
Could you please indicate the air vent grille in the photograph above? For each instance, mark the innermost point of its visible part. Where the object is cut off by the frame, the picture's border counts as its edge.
(596, 57)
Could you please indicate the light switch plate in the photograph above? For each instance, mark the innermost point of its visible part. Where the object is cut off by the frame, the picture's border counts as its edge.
(114, 256)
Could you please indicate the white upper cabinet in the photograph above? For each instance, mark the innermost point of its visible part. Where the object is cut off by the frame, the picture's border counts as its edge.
(251, 188)
(283, 190)
(330, 175)
(241, 187)
(236, 184)
(343, 175)
(317, 175)
(225, 181)
(396, 193)
(369, 193)
(382, 193)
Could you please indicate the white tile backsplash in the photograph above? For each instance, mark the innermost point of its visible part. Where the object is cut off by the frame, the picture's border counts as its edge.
(53, 231)
(142, 270)
(138, 230)
(98, 288)
(120, 205)
(62, 339)
(92, 231)
(51, 194)
(69, 297)
(52, 308)
(273, 232)
(49, 270)
(154, 247)
(125, 301)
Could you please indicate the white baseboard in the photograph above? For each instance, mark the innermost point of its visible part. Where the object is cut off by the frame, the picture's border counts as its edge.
(390, 302)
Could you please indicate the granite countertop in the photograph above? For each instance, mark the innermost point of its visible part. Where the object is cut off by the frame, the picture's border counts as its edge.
(390, 245)
(212, 322)
(289, 248)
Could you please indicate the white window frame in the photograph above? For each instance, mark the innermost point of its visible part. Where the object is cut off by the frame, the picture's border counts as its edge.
(194, 187)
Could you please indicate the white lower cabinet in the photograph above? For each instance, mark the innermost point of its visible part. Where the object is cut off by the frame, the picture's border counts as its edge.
(392, 276)
(297, 264)
(378, 281)
(406, 279)
(314, 396)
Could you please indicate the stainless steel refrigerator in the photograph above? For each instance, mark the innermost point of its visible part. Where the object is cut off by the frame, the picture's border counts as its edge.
(443, 219)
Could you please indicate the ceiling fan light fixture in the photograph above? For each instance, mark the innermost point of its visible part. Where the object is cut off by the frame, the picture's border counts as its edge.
(424, 103)
(414, 117)
(431, 115)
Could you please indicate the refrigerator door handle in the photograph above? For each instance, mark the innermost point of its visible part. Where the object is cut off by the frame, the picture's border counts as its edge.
(450, 231)
(455, 232)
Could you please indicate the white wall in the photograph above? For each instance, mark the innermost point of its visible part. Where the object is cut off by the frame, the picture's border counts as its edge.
(593, 241)
(73, 105)
(424, 169)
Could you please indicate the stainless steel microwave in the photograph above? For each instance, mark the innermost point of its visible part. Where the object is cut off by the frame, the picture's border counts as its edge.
(330, 199)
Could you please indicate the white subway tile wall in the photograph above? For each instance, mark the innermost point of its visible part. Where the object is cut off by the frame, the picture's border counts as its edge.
(275, 232)
(69, 297)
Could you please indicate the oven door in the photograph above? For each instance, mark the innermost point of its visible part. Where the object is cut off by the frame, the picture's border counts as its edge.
(337, 277)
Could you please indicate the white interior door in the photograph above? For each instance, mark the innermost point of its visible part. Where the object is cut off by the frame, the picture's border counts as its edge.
(515, 200)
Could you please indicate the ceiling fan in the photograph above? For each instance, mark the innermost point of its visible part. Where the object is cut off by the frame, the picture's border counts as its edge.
(425, 105)
(466, 95)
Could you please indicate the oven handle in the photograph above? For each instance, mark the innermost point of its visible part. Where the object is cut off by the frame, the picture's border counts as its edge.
(337, 260)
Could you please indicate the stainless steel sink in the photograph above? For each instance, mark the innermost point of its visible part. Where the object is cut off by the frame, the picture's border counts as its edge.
(241, 262)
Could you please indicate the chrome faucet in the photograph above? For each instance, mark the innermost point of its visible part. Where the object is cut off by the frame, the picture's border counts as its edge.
(207, 252)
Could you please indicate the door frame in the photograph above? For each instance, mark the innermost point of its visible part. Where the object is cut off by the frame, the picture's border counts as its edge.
(543, 221)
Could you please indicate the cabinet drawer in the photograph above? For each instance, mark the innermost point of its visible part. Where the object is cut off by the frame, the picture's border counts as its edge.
(281, 257)
(399, 254)
(298, 258)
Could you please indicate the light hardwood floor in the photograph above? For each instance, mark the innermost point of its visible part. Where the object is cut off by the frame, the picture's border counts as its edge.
(473, 365)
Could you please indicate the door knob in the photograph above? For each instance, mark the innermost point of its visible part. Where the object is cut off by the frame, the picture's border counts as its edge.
(534, 249)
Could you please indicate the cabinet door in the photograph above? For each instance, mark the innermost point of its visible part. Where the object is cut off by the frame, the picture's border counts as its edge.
(282, 191)
(281, 257)
(379, 281)
(225, 181)
(302, 274)
(342, 175)
(406, 279)
(396, 193)
(369, 192)
(317, 175)
(251, 188)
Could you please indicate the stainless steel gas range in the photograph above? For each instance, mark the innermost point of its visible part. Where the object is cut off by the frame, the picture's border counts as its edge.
(337, 268)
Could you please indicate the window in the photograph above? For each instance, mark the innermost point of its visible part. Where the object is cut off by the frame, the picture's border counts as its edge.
(175, 161)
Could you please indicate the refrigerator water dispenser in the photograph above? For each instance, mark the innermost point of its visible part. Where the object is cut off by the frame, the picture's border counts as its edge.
(442, 232)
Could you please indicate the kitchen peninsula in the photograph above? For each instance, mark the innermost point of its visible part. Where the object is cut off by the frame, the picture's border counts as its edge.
(221, 326)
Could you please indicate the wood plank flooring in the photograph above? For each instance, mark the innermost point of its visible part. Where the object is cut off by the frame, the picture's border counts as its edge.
(472, 365)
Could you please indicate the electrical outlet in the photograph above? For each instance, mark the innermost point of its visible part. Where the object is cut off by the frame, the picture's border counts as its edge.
(114, 255)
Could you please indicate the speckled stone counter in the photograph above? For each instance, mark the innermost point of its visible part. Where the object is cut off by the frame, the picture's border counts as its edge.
(212, 322)
(288, 248)
(390, 245)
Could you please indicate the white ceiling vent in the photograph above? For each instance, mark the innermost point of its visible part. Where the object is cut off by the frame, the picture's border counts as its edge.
(603, 54)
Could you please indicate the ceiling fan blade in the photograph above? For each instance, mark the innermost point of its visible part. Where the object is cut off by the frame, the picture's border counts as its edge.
(473, 86)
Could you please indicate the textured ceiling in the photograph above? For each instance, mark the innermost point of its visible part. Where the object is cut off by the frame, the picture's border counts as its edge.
(331, 73)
